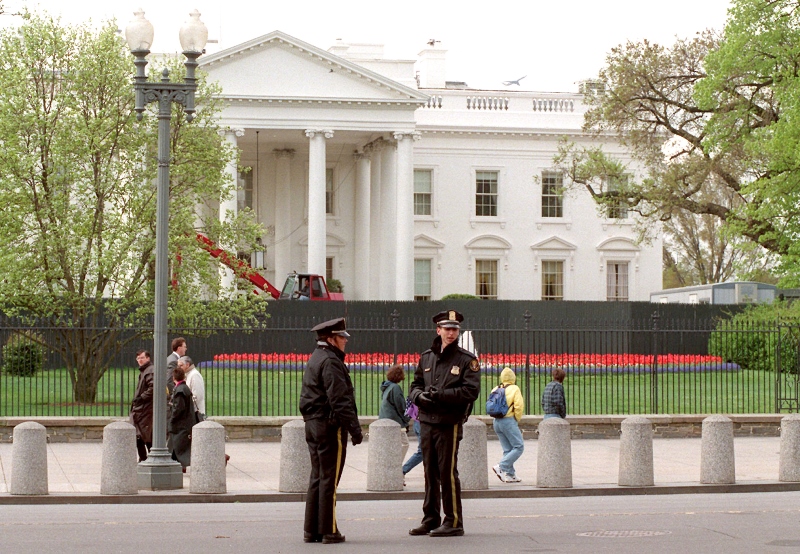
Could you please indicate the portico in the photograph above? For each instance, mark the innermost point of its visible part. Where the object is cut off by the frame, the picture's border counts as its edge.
(328, 147)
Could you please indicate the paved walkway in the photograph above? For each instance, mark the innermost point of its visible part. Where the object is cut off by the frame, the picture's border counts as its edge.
(74, 468)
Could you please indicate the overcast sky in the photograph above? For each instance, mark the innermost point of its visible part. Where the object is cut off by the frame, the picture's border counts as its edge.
(554, 43)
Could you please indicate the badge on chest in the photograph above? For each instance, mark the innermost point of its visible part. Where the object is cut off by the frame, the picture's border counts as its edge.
(455, 370)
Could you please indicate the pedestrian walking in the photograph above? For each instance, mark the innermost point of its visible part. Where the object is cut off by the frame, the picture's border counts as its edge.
(181, 420)
(507, 428)
(141, 413)
(446, 384)
(328, 406)
(393, 404)
(554, 404)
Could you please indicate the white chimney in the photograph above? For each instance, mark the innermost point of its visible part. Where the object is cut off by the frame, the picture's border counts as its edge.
(431, 68)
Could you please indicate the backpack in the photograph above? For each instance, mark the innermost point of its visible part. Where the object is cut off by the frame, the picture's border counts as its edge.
(496, 405)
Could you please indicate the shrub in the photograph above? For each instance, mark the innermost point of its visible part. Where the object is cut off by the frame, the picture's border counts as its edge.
(23, 354)
(335, 285)
(751, 338)
(460, 296)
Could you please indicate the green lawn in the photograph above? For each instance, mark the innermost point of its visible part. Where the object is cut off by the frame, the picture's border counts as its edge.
(237, 392)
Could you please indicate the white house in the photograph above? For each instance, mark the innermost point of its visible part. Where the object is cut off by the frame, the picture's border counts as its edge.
(382, 175)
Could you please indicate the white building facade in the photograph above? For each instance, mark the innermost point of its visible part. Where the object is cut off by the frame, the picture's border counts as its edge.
(380, 174)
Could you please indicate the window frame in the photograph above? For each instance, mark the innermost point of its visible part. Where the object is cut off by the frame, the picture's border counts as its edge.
(495, 206)
(544, 273)
(478, 282)
(429, 194)
(544, 176)
(617, 208)
(429, 296)
(616, 264)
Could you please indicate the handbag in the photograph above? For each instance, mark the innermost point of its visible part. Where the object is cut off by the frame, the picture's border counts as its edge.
(199, 416)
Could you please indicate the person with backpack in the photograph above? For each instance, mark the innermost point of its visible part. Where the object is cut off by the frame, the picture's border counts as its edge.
(393, 403)
(506, 425)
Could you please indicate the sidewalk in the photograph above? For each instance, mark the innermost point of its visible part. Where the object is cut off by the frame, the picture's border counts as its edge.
(74, 470)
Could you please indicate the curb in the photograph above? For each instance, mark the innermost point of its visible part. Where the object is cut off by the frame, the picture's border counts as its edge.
(185, 497)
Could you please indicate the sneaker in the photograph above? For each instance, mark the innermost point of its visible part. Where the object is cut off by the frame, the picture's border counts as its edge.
(500, 473)
(512, 479)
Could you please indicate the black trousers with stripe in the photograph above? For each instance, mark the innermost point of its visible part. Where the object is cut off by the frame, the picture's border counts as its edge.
(442, 485)
(327, 444)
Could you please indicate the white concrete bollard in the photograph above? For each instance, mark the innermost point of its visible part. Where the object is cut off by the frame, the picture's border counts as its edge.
(717, 464)
(554, 456)
(118, 472)
(208, 459)
(636, 453)
(385, 456)
(472, 456)
(789, 464)
(295, 467)
(29, 459)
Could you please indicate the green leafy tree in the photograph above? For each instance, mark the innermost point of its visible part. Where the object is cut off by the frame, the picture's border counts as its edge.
(77, 196)
(692, 142)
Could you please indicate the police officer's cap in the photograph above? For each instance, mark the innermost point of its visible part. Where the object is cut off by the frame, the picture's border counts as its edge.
(331, 327)
(448, 319)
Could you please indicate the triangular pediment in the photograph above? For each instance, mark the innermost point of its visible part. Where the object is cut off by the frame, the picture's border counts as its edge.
(277, 66)
(424, 241)
(553, 243)
(331, 241)
(618, 244)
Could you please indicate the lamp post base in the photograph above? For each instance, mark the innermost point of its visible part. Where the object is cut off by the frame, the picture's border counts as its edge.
(159, 473)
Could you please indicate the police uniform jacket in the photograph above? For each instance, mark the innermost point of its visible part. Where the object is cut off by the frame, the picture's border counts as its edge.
(327, 389)
(455, 376)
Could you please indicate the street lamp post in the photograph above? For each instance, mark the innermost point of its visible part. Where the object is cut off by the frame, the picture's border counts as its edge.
(159, 471)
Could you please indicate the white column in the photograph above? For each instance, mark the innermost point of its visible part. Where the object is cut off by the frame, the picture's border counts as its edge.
(404, 253)
(374, 150)
(362, 234)
(316, 200)
(230, 205)
(388, 221)
(283, 210)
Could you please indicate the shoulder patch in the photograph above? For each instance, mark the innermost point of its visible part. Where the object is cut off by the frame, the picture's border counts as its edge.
(474, 365)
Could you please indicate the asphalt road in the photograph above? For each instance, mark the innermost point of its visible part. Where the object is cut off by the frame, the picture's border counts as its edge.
(716, 523)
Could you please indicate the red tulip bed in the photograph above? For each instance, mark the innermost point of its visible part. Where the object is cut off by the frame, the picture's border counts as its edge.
(494, 363)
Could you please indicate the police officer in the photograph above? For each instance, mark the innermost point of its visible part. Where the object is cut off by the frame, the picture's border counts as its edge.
(329, 411)
(446, 383)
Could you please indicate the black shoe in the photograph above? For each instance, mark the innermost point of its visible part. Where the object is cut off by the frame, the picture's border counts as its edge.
(447, 531)
(333, 538)
(311, 537)
(421, 530)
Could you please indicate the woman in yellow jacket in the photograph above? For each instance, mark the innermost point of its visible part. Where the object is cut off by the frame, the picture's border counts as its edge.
(507, 428)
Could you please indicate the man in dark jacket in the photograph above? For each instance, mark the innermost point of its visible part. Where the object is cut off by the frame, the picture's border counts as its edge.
(445, 385)
(142, 405)
(329, 410)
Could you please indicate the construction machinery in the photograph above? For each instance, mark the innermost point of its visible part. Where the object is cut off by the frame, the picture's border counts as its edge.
(298, 286)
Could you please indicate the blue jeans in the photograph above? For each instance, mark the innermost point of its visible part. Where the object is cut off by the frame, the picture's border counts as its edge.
(507, 430)
(414, 460)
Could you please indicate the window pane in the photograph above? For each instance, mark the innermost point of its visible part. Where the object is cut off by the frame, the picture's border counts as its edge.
(423, 191)
(552, 280)
(552, 194)
(486, 193)
(329, 192)
(328, 269)
(244, 192)
(422, 279)
(486, 278)
(617, 207)
(617, 282)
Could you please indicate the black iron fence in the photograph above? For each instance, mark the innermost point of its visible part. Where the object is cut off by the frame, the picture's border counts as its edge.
(632, 366)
